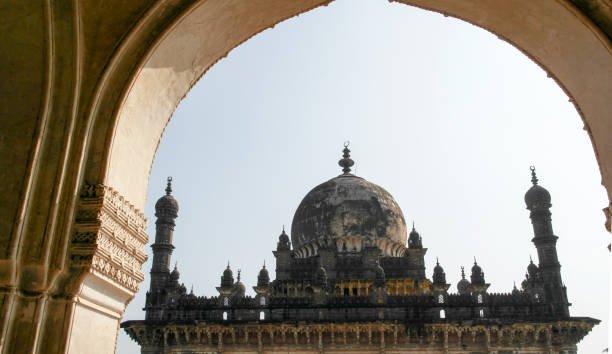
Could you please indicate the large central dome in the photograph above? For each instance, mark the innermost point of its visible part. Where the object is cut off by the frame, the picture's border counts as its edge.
(351, 210)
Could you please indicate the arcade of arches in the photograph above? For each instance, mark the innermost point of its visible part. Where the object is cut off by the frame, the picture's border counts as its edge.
(87, 90)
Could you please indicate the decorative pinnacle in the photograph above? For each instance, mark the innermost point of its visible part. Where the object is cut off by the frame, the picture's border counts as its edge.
(238, 274)
(413, 225)
(437, 263)
(534, 178)
(462, 273)
(475, 260)
(169, 187)
(228, 267)
(346, 161)
(530, 259)
(264, 267)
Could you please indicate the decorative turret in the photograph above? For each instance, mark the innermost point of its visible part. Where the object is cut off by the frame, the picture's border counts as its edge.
(283, 241)
(515, 290)
(538, 203)
(175, 275)
(414, 239)
(263, 279)
(439, 285)
(283, 256)
(477, 276)
(263, 286)
(463, 286)
(478, 285)
(227, 279)
(166, 210)
(439, 277)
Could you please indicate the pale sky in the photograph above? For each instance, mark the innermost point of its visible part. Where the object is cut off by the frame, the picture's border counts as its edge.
(442, 114)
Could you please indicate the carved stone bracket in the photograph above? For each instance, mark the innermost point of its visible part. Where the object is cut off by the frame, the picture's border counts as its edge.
(109, 237)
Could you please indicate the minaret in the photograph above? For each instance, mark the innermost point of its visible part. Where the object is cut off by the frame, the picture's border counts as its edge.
(537, 199)
(166, 210)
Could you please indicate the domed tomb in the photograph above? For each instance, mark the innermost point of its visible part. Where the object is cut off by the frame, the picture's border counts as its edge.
(349, 213)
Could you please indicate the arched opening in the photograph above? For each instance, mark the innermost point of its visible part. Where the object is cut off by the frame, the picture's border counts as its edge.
(144, 79)
(310, 250)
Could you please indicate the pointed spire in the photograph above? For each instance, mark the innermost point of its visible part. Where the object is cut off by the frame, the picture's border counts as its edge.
(437, 263)
(228, 267)
(534, 178)
(169, 186)
(413, 225)
(264, 266)
(346, 161)
(283, 228)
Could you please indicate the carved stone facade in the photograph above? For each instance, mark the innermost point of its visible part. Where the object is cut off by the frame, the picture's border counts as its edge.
(363, 337)
(109, 237)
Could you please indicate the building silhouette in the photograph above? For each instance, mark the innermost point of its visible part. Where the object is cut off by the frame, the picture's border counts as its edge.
(352, 278)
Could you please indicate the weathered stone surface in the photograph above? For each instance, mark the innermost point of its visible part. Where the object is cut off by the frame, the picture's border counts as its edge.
(347, 207)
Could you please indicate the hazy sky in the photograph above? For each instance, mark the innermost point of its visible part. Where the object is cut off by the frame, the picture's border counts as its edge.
(442, 114)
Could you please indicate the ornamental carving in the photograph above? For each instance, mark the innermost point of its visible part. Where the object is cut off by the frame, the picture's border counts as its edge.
(109, 236)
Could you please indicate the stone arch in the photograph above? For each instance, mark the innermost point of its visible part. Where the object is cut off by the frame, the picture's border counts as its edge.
(82, 117)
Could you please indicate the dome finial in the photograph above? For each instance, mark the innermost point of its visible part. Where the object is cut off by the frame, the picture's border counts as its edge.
(238, 274)
(462, 272)
(437, 262)
(534, 178)
(169, 186)
(264, 266)
(346, 161)
(475, 260)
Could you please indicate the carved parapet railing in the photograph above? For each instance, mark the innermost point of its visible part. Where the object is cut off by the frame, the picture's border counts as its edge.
(379, 336)
(109, 237)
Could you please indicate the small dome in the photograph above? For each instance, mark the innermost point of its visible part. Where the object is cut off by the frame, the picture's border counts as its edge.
(463, 284)
(348, 207)
(263, 279)
(532, 269)
(415, 240)
(439, 277)
(515, 291)
(477, 276)
(283, 242)
(175, 274)
(227, 279)
(537, 196)
(239, 288)
(167, 205)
